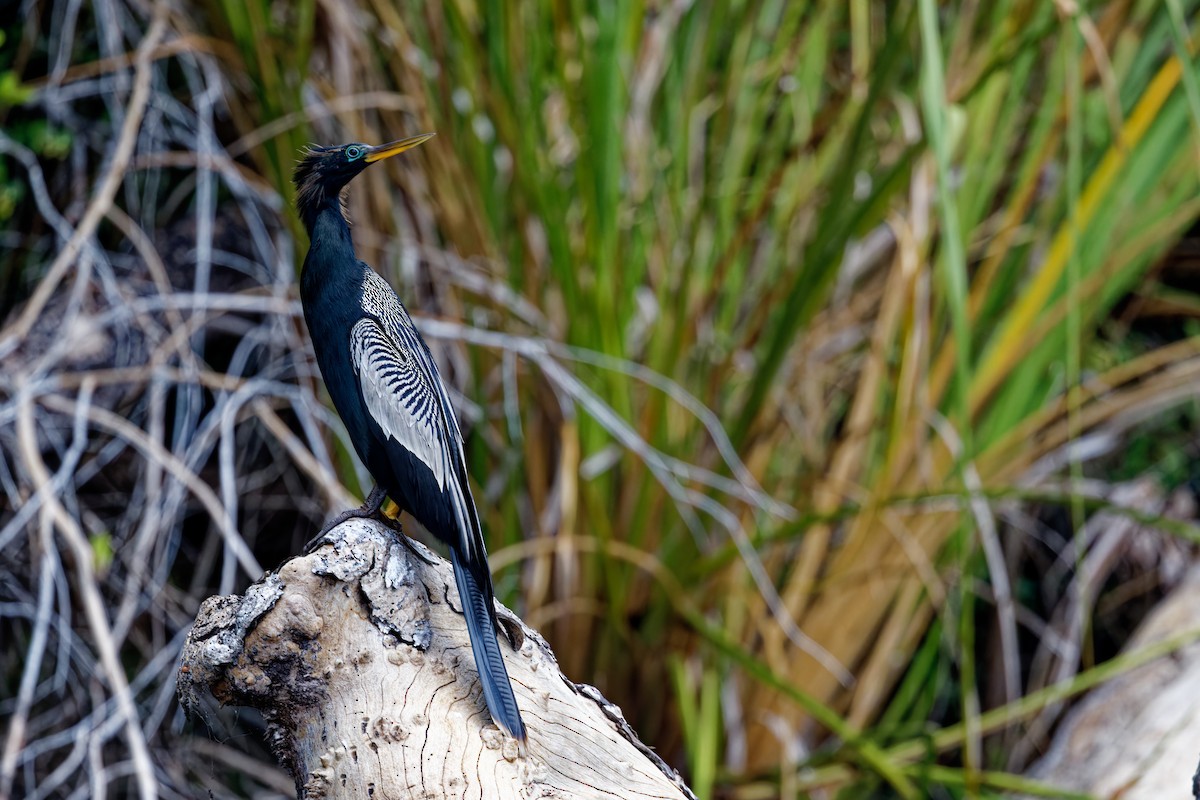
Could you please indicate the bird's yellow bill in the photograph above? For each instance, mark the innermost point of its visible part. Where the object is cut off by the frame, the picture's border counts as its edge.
(393, 148)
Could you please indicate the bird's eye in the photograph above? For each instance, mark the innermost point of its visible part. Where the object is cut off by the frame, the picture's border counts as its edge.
(354, 153)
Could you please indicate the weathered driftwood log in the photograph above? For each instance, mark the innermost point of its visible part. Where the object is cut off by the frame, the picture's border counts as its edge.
(357, 655)
(1138, 736)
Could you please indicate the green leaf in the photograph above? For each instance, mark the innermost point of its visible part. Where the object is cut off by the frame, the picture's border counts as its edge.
(102, 551)
(12, 91)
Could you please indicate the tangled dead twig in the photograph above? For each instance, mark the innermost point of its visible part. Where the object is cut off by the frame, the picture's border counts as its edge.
(105, 192)
(158, 376)
(113, 427)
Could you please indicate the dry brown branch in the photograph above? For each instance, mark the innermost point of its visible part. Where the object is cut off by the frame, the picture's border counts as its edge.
(153, 450)
(320, 473)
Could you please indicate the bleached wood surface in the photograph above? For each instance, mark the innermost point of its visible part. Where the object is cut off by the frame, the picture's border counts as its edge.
(1138, 737)
(358, 656)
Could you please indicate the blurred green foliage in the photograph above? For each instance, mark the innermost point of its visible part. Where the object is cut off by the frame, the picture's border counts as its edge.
(680, 187)
(878, 243)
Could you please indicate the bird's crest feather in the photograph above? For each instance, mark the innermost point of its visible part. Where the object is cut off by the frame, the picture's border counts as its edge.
(310, 191)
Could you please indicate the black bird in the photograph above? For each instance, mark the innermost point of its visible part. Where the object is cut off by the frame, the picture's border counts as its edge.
(386, 387)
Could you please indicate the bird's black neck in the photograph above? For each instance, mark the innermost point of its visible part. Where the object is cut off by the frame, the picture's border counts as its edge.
(330, 250)
(313, 200)
(327, 226)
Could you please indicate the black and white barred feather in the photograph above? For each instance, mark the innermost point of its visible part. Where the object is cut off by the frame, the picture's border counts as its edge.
(405, 395)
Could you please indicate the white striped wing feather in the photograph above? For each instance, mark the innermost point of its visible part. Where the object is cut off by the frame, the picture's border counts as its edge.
(399, 396)
(437, 435)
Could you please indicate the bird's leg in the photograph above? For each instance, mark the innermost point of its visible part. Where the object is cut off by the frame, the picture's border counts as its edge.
(368, 510)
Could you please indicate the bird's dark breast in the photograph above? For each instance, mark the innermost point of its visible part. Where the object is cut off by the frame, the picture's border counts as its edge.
(407, 480)
(332, 301)
(331, 294)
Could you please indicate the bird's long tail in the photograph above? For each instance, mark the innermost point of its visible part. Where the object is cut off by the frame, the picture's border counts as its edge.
(481, 626)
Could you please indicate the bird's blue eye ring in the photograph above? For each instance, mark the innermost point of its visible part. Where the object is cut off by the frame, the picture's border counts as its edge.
(354, 153)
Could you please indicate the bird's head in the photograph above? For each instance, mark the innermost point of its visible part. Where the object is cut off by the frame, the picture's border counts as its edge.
(323, 172)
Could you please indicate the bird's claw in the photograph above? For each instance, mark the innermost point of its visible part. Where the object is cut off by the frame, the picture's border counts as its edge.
(368, 510)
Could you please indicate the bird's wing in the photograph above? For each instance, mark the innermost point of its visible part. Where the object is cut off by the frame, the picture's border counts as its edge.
(405, 394)
(380, 300)
(400, 395)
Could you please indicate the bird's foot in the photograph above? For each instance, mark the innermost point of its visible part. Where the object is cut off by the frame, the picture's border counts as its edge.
(368, 510)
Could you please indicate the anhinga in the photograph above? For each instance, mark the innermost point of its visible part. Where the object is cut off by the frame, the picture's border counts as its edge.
(387, 390)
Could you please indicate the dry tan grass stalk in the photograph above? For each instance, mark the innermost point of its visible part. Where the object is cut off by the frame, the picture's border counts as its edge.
(337, 495)
(93, 603)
